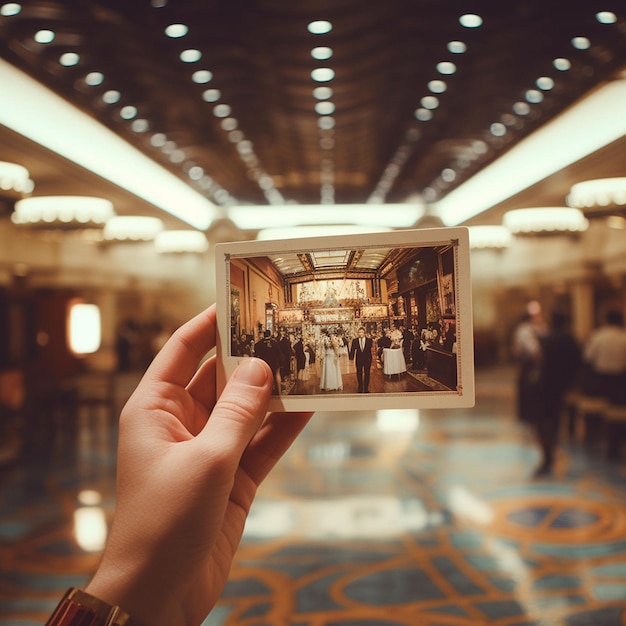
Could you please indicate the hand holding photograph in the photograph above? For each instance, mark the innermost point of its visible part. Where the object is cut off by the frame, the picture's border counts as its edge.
(374, 321)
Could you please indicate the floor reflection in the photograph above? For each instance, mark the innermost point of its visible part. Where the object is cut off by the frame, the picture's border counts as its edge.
(373, 518)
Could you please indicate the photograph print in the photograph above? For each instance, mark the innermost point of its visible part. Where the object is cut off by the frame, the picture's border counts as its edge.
(359, 322)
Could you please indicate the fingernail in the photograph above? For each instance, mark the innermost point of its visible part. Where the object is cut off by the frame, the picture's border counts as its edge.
(251, 372)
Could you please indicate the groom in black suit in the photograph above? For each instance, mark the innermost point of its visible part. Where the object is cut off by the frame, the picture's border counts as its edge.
(362, 347)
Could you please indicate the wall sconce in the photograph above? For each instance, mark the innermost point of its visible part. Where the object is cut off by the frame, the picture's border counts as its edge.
(84, 328)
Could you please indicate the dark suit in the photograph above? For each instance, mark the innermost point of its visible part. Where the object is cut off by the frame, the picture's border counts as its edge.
(363, 362)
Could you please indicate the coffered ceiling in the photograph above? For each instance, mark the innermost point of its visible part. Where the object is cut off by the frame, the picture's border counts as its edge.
(414, 100)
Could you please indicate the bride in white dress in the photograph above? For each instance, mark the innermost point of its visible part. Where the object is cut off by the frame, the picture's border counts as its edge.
(330, 378)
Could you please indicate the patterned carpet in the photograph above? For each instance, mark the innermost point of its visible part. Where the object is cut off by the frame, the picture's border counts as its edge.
(372, 519)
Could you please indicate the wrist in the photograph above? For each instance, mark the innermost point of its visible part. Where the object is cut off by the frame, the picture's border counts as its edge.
(79, 607)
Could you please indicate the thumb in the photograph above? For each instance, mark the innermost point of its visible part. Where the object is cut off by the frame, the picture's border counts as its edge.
(240, 410)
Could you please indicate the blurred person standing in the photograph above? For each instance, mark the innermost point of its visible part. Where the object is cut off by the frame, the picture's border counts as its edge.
(557, 373)
(526, 350)
(605, 357)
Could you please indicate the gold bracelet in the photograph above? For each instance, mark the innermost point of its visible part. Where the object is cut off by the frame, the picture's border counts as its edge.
(78, 608)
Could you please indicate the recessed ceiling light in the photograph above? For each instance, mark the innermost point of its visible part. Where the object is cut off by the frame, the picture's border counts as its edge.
(562, 64)
(69, 59)
(326, 123)
(581, 43)
(158, 140)
(446, 67)
(140, 125)
(606, 17)
(324, 108)
(10, 8)
(44, 36)
(176, 30)
(229, 123)
(190, 56)
(521, 108)
(321, 53)
(222, 110)
(430, 102)
(322, 93)
(423, 115)
(545, 83)
(202, 76)
(534, 96)
(322, 74)
(457, 47)
(437, 86)
(497, 129)
(471, 20)
(94, 78)
(111, 96)
(320, 27)
(128, 112)
(211, 95)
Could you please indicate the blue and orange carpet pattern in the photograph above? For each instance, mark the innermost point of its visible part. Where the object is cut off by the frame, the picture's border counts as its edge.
(398, 518)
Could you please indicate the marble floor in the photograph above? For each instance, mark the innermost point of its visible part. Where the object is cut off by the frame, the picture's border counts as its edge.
(427, 518)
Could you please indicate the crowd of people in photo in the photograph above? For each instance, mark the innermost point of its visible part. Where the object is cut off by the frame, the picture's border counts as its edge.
(291, 352)
(552, 363)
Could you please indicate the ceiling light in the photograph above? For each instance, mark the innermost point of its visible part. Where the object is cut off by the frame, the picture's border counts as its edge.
(566, 139)
(437, 86)
(521, 108)
(489, 236)
(14, 180)
(321, 53)
(10, 8)
(497, 129)
(258, 217)
(545, 83)
(47, 119)
(562, 64)
(534, 96)
(599, 197)
(112, 96)
(324, 108)
(606, 17)
(326, 123)
(128, 112)
(430, 102)
(319, 27)
(132, 228)
(190, 56)
(93, 79)
(140, 125)
(457, 47)
(44, 36)
(471, 20)
(423, 115)
(176, 30)
(69, 59)
(64, 212)
(446, 67)
(322, 93)
(545, 220)
(581, 43)
(181, 241)
(222, 110)
(322, 74)
(202, 76)
(211, 95)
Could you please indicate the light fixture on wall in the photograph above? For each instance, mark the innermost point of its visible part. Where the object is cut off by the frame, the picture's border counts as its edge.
(600, 197)
(132, 228)
(84, 327)
(62, 212)
(553, 220)
(181, 241)
(493, 237)
(15, 180)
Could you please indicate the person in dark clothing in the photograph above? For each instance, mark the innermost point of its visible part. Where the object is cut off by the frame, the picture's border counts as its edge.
(268, 350)
(559, 366)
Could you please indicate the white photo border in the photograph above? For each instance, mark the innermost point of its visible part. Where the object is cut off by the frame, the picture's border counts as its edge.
(456, 237)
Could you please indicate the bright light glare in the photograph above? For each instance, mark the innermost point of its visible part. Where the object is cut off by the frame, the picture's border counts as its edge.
(84, 332)
(390, 215)
(398, 420)
(37, 113)
(90, 528)
(589, 125)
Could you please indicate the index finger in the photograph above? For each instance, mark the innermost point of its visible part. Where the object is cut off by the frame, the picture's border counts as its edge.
(178, 360)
